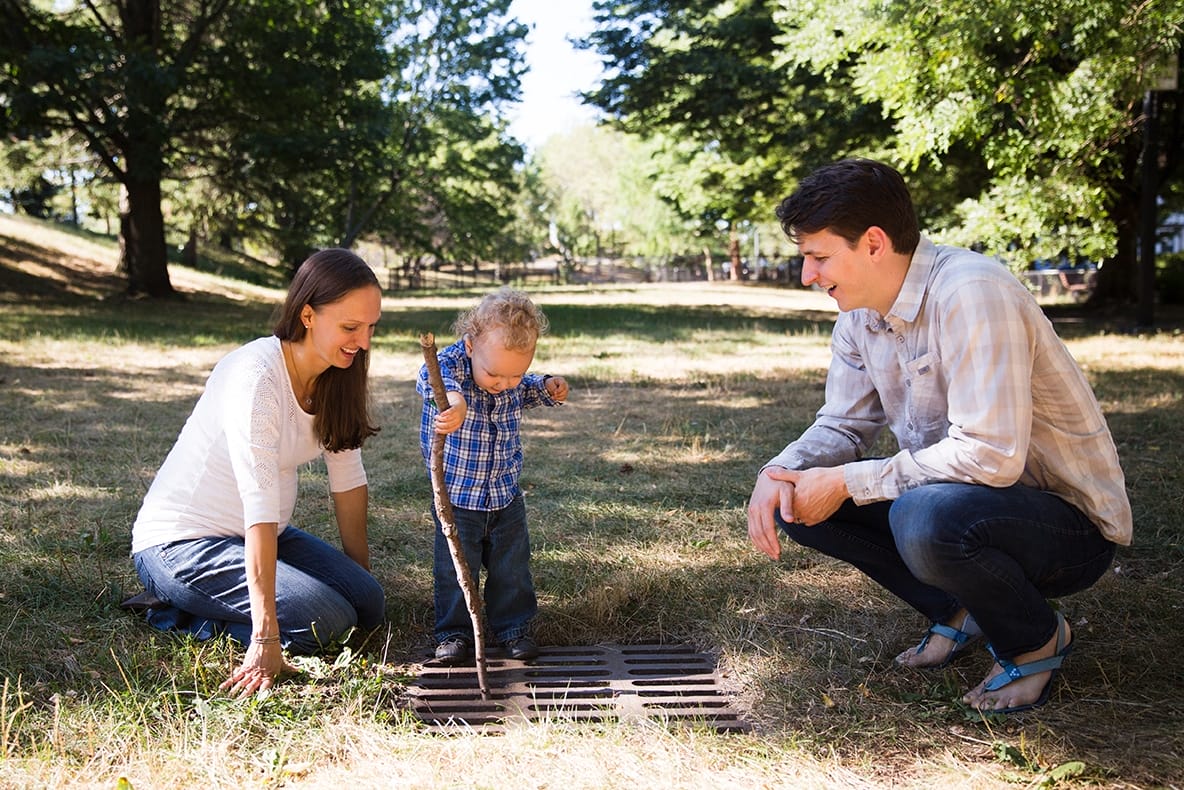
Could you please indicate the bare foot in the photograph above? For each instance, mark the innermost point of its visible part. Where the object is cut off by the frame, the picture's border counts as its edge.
(1027, 690)
(936, 650)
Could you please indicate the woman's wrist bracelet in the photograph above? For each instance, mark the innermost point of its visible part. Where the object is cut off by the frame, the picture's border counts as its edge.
(266, 640)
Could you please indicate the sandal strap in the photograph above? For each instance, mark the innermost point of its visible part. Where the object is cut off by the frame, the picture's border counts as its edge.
(949, 632)
(1012, 671)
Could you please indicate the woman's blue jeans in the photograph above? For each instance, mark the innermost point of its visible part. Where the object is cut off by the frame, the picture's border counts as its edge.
(320, 592)
(497, 540)
(998, 552)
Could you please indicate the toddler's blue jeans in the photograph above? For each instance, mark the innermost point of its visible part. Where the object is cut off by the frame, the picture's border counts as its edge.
(499, 542)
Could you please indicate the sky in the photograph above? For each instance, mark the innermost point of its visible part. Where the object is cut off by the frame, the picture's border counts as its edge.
(557, 71)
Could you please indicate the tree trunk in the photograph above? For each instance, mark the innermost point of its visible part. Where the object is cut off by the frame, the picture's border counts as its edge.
(189, 253)
(1117, 277)
(143, 254)
(293, 234)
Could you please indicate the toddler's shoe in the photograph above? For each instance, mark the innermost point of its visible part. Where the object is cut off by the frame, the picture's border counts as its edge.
(454, 650)
(521, 649)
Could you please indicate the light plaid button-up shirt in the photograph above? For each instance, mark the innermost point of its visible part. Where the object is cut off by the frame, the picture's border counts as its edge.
(972, 380)
(482, 458)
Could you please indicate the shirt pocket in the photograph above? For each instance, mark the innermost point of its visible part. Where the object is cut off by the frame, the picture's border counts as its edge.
(926, 418)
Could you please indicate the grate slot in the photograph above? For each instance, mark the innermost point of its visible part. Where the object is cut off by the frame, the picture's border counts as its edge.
(567, 684)
(567, 673)
(667, 660)
(564, 695)
(596, 684)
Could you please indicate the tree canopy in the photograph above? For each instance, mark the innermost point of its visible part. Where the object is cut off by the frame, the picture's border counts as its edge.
(303, 123)
(1021, 126)
(1018, 123)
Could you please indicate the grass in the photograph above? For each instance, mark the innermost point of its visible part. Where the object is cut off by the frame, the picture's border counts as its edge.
(636, 492)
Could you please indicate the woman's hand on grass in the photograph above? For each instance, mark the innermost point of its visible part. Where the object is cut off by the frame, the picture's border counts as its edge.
(259, 670)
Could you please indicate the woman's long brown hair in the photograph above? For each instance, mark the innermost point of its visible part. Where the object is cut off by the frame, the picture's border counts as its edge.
(341, 401)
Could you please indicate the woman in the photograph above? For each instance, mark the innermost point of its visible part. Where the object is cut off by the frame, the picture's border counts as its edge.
(212, 540)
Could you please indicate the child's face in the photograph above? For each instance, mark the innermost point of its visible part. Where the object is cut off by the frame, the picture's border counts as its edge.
(495, 367)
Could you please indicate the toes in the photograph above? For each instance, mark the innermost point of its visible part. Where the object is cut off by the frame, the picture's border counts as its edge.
(934, 652)
(973, 697)
(906, 657)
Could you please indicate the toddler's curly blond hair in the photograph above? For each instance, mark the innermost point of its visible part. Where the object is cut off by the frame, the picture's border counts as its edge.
(521, 321)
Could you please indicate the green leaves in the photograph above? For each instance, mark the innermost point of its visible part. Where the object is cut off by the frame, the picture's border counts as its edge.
(295, 122)
(1019, 121)
(1044, 778)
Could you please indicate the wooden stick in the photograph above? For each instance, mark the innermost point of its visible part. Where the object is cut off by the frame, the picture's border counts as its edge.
(444, 511)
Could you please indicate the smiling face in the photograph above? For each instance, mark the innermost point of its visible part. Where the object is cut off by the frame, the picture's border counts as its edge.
(495, 367)
(338, 330)
(852, 275)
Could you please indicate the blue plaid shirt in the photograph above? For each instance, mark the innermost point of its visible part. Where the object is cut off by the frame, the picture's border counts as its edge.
(482, 458)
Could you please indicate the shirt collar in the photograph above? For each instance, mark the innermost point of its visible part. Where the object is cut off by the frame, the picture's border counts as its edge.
(908, 302)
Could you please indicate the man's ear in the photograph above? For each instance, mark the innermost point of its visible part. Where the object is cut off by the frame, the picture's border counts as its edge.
(878, 242)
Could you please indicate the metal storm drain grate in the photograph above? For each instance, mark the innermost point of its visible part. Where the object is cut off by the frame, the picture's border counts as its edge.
(596, 683)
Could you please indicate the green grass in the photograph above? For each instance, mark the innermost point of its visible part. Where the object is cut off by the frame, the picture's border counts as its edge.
(636, 492)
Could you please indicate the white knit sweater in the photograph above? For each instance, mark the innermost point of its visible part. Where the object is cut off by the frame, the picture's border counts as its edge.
(236, 461)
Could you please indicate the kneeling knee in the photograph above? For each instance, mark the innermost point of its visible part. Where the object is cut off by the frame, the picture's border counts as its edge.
(320, 634)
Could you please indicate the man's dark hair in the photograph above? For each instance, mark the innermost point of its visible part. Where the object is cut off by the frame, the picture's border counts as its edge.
(847, 198)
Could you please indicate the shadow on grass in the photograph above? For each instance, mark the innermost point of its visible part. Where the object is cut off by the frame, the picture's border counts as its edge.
(65, 284)
(213, 321)
(181, 323)
(636, 497)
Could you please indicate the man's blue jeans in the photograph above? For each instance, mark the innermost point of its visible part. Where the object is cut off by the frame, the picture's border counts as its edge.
(998, 552)
(320, 592)
(498, 541)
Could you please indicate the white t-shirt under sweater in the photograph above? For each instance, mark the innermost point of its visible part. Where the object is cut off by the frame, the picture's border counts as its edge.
(237, 459)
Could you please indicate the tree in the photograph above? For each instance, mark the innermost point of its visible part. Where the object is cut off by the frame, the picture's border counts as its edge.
(471, 193)
(29, 188)
(1020, 122)
(161, 90)
(707, 79)
(302, 118)
(601, 195)
(116, 74)
(1050, 92)
(445, 177)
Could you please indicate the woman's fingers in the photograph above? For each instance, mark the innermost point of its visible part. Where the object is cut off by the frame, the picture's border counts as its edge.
(247, 680)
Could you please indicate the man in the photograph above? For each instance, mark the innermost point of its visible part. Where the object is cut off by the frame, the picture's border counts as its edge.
(1006, 490)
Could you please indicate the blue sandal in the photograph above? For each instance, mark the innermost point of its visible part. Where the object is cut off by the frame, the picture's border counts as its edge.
(961, 637)
(1012, 671)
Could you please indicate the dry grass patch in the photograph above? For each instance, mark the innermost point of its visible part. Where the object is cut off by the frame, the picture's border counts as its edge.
(636, 493)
